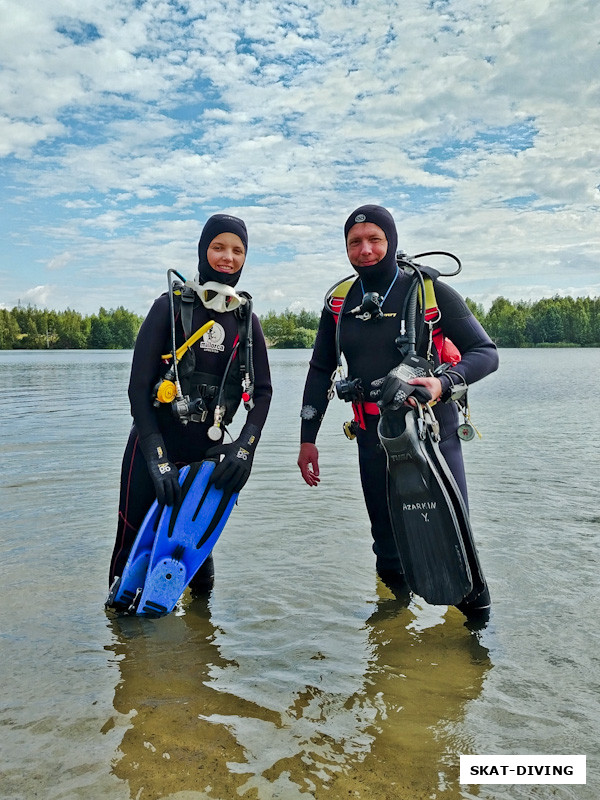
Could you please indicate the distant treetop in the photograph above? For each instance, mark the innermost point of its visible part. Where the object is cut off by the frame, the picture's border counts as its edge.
(30, 328)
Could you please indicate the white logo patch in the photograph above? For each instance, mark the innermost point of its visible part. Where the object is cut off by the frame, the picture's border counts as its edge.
(213, 339)
(360, 218)
(308, 412)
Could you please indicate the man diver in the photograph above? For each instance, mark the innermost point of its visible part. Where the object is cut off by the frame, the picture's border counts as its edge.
(367, 336)
(214, 375)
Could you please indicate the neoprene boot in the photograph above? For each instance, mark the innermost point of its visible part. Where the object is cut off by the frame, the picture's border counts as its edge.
(396, 583)
(203, 581)
(477, 610)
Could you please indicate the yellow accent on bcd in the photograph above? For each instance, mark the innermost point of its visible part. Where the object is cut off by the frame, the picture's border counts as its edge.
(193, 338)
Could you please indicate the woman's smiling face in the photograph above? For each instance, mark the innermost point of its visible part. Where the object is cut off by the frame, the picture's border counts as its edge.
(226, 253)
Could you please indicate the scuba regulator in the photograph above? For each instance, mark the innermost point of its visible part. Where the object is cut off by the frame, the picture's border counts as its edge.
(412, 323)
(168, 391)
(370, 308)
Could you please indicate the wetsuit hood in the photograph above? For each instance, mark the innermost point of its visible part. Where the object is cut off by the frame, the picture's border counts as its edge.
(377, 277)
(219, 223)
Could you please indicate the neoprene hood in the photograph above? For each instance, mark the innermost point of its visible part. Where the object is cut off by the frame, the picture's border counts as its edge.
(219, 223)
(378, 276)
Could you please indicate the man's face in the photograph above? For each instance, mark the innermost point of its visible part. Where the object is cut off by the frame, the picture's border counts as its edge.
(366, 244)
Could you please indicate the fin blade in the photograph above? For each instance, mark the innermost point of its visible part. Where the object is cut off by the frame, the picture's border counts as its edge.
(424, 521)
(136, 566)
(185, 537)
(462, 513)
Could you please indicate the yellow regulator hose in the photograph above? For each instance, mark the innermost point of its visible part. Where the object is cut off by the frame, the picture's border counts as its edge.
(193, 338)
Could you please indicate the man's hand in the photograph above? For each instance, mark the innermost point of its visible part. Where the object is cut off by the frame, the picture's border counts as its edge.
(433, 386)
(308, 461)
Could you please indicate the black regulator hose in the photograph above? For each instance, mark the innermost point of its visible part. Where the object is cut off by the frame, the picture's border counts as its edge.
(249, 349)
(173, 337)
(447, 255)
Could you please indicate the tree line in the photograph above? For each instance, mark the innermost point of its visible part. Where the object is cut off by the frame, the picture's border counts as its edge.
(551, 322)
(556, 321)
(30, 328)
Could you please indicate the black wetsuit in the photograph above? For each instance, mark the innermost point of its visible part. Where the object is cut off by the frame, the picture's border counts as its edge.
(184, 443)
(370, 352)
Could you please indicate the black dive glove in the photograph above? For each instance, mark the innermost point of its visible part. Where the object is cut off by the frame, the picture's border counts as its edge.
(232, 472)
(391, 392)
(164, 474)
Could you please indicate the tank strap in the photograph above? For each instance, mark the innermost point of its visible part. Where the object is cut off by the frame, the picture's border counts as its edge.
(184, 298)
(188, 296)
(334, 299)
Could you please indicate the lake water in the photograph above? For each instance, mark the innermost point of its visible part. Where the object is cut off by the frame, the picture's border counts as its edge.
(300, 676)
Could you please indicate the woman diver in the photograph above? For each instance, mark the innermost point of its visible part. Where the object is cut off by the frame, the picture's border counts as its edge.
(185, 388)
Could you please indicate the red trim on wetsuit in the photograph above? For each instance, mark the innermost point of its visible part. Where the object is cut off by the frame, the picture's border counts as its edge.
(122, 516)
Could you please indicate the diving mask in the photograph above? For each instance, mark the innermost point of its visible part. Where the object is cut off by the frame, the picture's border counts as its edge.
(217, 296)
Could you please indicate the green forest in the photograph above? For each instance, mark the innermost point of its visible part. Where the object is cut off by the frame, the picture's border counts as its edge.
(551, 322)
(30, 328)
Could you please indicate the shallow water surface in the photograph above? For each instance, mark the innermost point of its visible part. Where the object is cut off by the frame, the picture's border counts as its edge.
(300, 676)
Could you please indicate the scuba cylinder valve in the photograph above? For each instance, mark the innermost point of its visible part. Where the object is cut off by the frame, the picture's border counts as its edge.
(182, 382)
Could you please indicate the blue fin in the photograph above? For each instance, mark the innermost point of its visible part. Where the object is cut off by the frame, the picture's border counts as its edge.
(185, 536)
(127, 587)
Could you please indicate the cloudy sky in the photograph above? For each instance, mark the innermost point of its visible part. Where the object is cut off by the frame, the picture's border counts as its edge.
(125, 123)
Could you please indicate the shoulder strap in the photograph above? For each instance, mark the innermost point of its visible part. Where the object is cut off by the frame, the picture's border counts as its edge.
(432, 312)
(185, 296)
(446, 349)
(335, 297)
(246, 350)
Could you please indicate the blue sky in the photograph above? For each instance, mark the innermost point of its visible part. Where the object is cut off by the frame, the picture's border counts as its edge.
(125, 124)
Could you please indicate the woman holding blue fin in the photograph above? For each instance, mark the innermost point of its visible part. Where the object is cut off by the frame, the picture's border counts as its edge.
(412, 346)
(200, 352)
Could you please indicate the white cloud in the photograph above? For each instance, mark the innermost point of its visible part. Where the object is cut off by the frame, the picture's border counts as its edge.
(37, 296)
(60, 261)
(122, 126)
